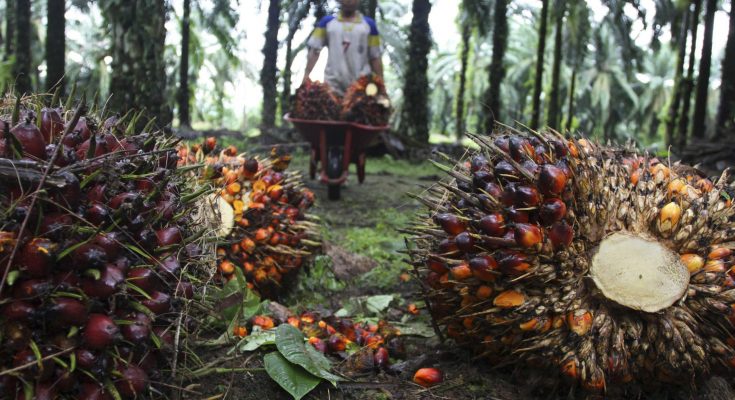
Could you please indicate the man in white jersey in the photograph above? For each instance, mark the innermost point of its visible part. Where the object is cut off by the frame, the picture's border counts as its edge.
(353, 43)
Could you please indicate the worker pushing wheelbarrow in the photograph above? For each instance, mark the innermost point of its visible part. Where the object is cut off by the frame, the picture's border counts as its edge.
(342, 118)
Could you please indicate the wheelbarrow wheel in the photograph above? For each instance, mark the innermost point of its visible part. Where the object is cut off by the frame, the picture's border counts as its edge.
(334, 171)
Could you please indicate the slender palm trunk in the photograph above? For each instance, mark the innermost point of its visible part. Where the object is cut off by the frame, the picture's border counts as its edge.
(705, 62)
(183, 95)
(268, 73)
(497, 67)
(538, 78)
(672, 116)
(459, 124)
(554, 115)
(726, 109)
(22, 66)
(689, 81)
(9, 29)
(55, 44)
(570, 107)
(416, 84)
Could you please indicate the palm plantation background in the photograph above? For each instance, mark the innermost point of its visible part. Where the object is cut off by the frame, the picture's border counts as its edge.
(618, 70)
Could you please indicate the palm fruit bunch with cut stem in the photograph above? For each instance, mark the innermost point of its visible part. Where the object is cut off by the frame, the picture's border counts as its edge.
(366, 102)
(601, 267)
(265, 230)
(315, 100)
(95, 242)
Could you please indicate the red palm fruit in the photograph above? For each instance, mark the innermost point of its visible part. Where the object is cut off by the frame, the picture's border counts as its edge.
(465, 242)
(526, 196)
(85, 127)
(89, 255)
(184, 289)
(64, 380)
(132, 382)
(66, 311)
(518, 216)
(166, 335)
(520, 148)
(503, 142)
(96, 193)
(37, 256)
(478, 162)
(18, 310)
(508, 195)
(97, 214)
(45, 391)
(436, 265)
(100, 148)
(461, 271)
(55, 224)
(32, 288)
(561, 234)
(93, 391)
(131, 199)
(552, 210)
(86, 358)
(169, 266)
(483, 266)
(337, 343)
(318, 344)
(493, 224)
(263, 321)
(527, 235)
(493, 189)
(100, 332)
(30, 139)
(551, 180)
(448, 247)
(33, 369)
(143, 278)
(158, 303)
(427, 377)
(450, 223)
(137, 329)
(111, 277)
(251, 166)
(530, 166)
(513, 262)
(110, 243)
(481, 178)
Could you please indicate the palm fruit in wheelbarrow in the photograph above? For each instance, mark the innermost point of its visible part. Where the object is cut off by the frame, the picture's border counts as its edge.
(603, 267)
(92, 261)
(265, 230)
(315, 100)
(366, 102)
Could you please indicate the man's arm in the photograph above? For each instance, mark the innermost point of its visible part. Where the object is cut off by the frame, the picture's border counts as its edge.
(311, 58)
(376, 65)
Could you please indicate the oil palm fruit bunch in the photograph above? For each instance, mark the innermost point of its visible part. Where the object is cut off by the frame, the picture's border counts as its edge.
(265, 230)
(603, 267)
(316, 101)
(94, 242)
(366, 102)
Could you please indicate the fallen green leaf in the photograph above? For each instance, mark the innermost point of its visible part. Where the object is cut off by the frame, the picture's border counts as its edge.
(292, 378)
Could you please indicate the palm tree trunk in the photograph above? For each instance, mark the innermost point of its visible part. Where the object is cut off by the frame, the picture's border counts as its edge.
(538, 78)
(22, 66)
(689, 81)
(726, 109)
(183, 95)
(671, 118)
(497, 67)
(459, 124)
(138, 78)
(554, 116)
(570, 107)
(416, 84)
(55, 44)
(9, 29)
(268, 73)
(705, 62)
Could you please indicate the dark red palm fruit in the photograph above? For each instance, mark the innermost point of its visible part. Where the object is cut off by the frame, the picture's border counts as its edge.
(166, 335)
(65, 311)
(169, 236)
(32, 369)
(111, 277)
(36, 257)
(131, 199)
(184, 289)
(561, 235)
(100, 148)
(8, 386)
(465, 242)
(396, 347)
(530, 166)
(72, 140)
(560, 149)
(448, 247)
(493, 189)
(52, 125)
(93, 391)
(503, 143)
(45, 391)
(137, 329)
(450, 223)
(158, 303)
(527, 235)
(54, 224)
(88, 256)
(551, 180)
(66, 154)
(478, 163)
(166, 207)
(86, 358)
(85, 127)
(18, 310)
(508, 195)
(437, 266)
(65, 280)
(30, 139)
(526, 196)
(564, 167)
(100, 332)
(110, 243)
(517, 216)
(143, 278)
(505, 170)
(481, 178)
(16, 335)
(169, 267)
(32, 288)
(520, 148)
(96, 194)
(336, 343)
(493, 224)
(552, 210)
(513, 262)
(482, 267)
(64, 380)
(97, 214)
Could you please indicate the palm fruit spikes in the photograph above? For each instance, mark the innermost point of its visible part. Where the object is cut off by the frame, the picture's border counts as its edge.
(94, 241)
(366, 102)
(316, 101)
(596, 262)
(269, 234)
